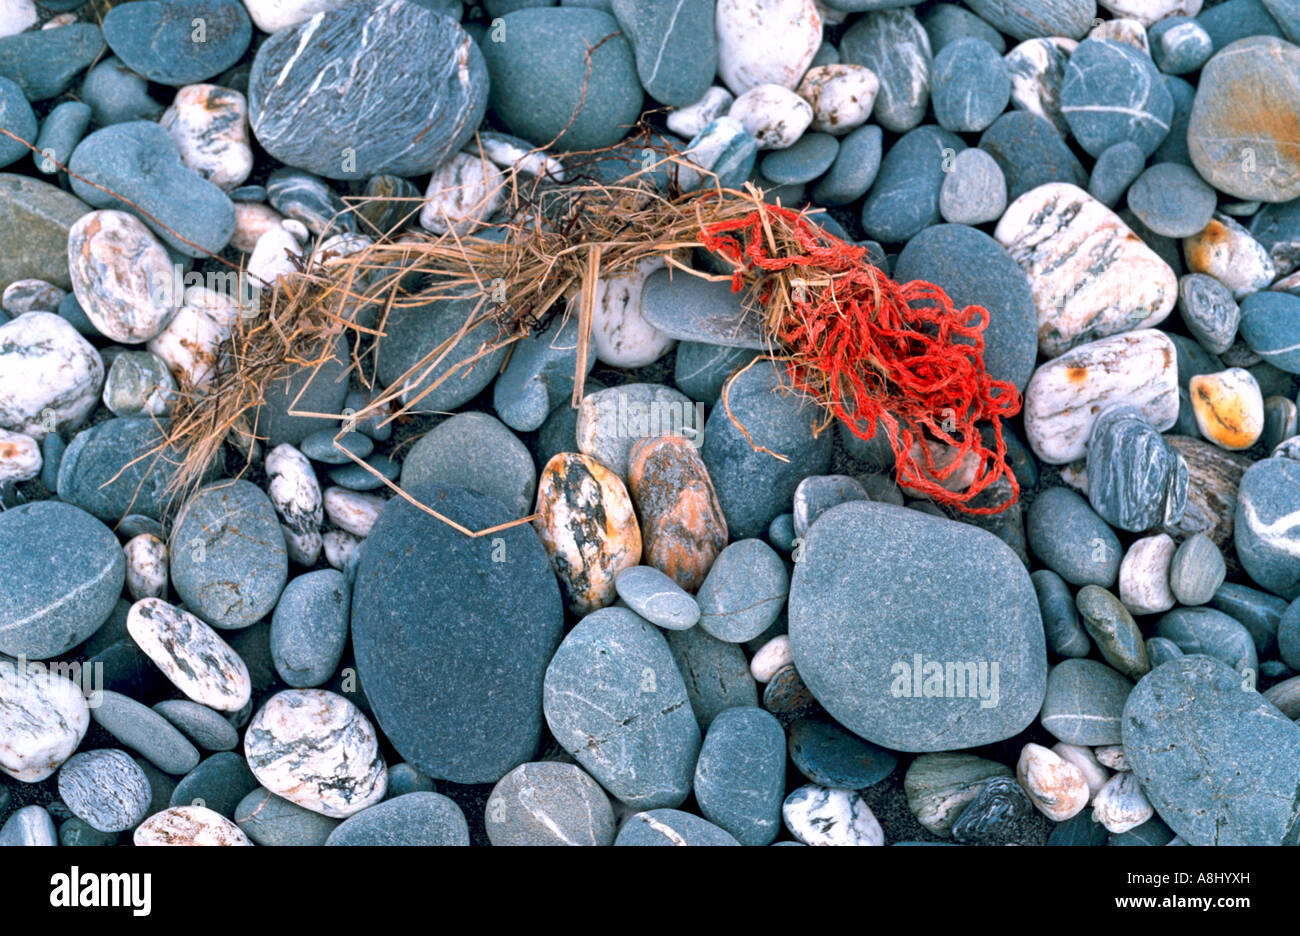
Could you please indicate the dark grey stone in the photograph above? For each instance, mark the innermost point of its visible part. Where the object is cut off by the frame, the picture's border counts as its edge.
(1209, 311)
(305, 390)
(1267, 525)
(744, 591)
(309, 628)
(829, 755)
(1030, 153)
(1212, 633)
(1136, 481)
(1028, 19)
(269, 820)
(146, 732)
(716, 673)
(701, 369)
(905, 196)
(969, 85)
(1065, 635)
(1113, 629)
(1114, 171)
(675, 45)
(1113, 92)
(44, 62)
(894, 45)
(538, 378)
(218, 783)
(179, 42)
(1257, 611)
(855, 167)
(202, 725)
(1000, 814)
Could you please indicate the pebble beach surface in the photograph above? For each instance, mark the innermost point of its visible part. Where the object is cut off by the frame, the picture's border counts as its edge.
(691, 641)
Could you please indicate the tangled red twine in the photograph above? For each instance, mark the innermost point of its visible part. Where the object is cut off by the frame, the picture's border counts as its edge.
(877, 353)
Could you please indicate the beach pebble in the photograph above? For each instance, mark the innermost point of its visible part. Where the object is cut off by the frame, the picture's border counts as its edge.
(1121, 805)
(190, 654)
(331, 447)
(744, 591)
(139, 383)
(689, 121)
(1213, 476)
(1241, 92)
(432, 101)
(352, 511)
(614, 699)
(188, 825)
(940, 786)
(1071, 539)
(340, 549)
(1135, 479)
(675, 46)
(268, 819)
(31, 295)
(841, 95)
(1114, 171)
(693, 309)
(716, 674)
(1055, 786)
(210, 126)
(620, 334)
(1113, 92)
(20, 456)
(316, 749)
(1090, 276)
(819, 493)
(766, 41)
(1031, 153)
(1209, 311)
(122, 276)
(894, 45)
(803, 162)
(1189, 732)
(1065, 635)
(657, 598)
(29, 826)
(146, 732)
(1144, 575)
(1137, 368)
(856, 163)
(1126, 30)
(1172, 200)
(309, 628)
(1114, 631)
(610, 422)
(1196, 571)
(904, 198)
(1225, 250)
(476, 451)
(105, 789)
(1084, 702)
(50, 376)
(413, 819)
(1212, 633)
(190, 342)
(202, 725)
(146, 566)
(830, 756)
(1024, 18)
(461, 194)
(158, 40)
(671, 827)
(771, 658)
(296, 496)
(773, 115)
(740, 774)
(547, 803)
(228, 556)
(1037, 68)
(725, 153)
(816, 815)
(1267, 527)
(969, 85)
(43, 717)
(974, 191)
(1229, 408)
(1001, 813)
(1094, 774)
(537, 379)
(252, 220)
(1270, 325)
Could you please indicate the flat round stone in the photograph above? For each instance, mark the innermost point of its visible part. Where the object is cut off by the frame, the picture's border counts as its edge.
(806, 160)
(829, 755)
(657, 598)
(309, 629)
(1172, 199)
(1084, 702)
(105, 789)
(744, 591)
(43, 718)
(549, 803)
(179, 42)
(428, 819)
(1112, 92)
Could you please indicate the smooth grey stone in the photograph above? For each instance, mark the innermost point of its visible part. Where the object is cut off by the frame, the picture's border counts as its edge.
(115, 94)
(969, 85)
(1065, 635)
(1212, 633)
(479, 452)
(1115, 170)
(807, 159)
(855, 167)
(105, 789)
(867, 599)
(1027, 19)
(1113, 92)
(545, 803)
(1288, 635)
(1172, 199)
(421, 93)
(671, 827)
(752, 486)
(831, 756)
(612, 421)
(948, 22)
(1136, 481)
(538, 77)
(160, 786)
(1197, 570)
(1209, 311)
(1085, 702)
(1162, 650)
(874, 452)
(486, 609)
(403, 779)
(974, 190)
(1030, 153)
(202, 725)
(44, 62)
(355, 478)
(1179, 45)
(146, 732)
(716, 673)
(52, 449)
(1174, 148)
(420, 819)
(61, 573)
(894, 45)
(36, 217)
(219, 783)
(1257, 611)
(1280, 421)
(1191, 734)
(701, 369)
(1267, 525)
(817, 494)
(309, 628)
(615, 700)
(740, 775)
(1113, 629)
(309, 199)
(179, 42)
(138, 161)
(227, 554)
(539, 376)
(321, 446)
(61, 131)
(29, 826)
(780, 533)
(657, 598)
(905, 196)
(693, 309)
(269, 820)
(743, 592)
(76, 832)
(1270, 321)
(675, 45)
(1070, 538)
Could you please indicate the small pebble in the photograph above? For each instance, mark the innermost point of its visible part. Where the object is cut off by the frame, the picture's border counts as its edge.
(816, 815)
(657, 598)
(188, 825)
(1121, 805)
(1229, 408)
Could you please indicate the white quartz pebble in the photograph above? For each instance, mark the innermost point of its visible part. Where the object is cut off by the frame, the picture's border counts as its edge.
(1054, 785)
(50, 376)
(31, 295)
(146, 566)
(296, 494)
(1112, 756)
(192, 339)
(339, 548)
(188, 825)
(190, 654)
(1121, 805)
(210, 126)
(1094, 774)
(43, 718)
(462, 194)
(766, 41)
(620, 334)
(774, 116)
(818, 815)
(20, 456)
(1144, 575)
(275, 253)
(689, 122)
(252, 220)
(841, 96)
(352, 512)
(771, 658)
(122, 276)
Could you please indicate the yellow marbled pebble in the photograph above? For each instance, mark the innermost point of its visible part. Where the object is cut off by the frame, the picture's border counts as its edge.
(1229, 408)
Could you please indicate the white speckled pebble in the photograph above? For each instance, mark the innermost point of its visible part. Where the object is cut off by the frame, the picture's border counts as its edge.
(1144, 575)
(189, 652)
(1112, 756)
(461, 194)
(766, 41)
(1226, 251)
(339, 548)
(20, 456)
(273, 254)
(43, 718)
(841, 96)
(252, 220)
(817, 815)
(295, 492)
(689, 122)
(188, 825)
(509, 152)
(316, 749)
(122, 276)
(352, 511)
(210, 126)
(1121, 805)
(190, 342)
(146, 566)
(771, 658)
(50, 376)
(620, 334)
(1054, 785)
(1094, 774)
(1125, 30)
(775, 116)
(31, 295)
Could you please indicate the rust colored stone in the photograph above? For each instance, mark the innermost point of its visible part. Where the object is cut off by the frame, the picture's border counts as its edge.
(680, 516)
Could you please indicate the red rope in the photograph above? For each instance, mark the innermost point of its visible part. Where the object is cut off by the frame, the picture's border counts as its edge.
(876, 351)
